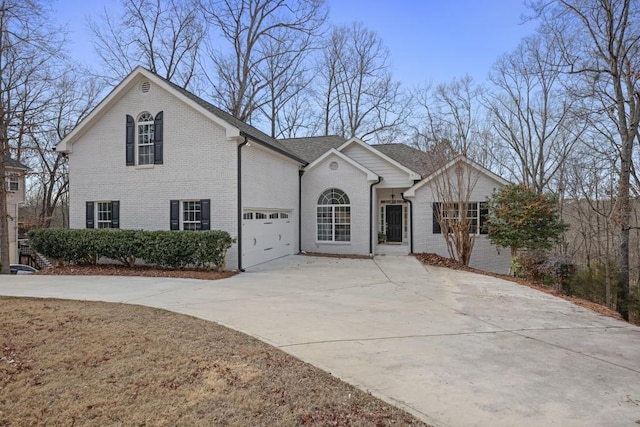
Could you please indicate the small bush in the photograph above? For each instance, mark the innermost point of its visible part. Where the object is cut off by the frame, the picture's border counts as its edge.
(166, 249)
(121, 245)
(558, 269)
(551, 270)
(528, 265)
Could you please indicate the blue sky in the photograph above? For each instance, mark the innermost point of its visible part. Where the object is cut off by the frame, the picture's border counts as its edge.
(430, 40)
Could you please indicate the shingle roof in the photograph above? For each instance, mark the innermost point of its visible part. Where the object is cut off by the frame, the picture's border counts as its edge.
(14, 164)
(244, 128)
(414, 159)
(310, 148)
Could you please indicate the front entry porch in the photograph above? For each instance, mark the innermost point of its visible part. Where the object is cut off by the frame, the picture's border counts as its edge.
(392, 249)
(392, 223)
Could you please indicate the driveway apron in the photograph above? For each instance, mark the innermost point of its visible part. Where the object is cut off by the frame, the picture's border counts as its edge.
(452, 347)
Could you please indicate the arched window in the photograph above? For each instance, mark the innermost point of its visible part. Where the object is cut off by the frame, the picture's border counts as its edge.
(146, 131)
(334, 216)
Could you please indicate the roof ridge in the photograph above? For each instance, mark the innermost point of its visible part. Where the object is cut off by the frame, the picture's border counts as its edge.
(312, 137)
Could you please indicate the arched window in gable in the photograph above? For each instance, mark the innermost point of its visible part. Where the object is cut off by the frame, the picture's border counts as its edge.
(334, 216)
(146, 138)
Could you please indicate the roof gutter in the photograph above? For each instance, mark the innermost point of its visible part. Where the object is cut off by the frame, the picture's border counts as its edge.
(271, 147)
(371, 215)
(410, 221)
(242, 144)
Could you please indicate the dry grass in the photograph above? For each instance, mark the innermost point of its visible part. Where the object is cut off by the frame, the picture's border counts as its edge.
(95, 364)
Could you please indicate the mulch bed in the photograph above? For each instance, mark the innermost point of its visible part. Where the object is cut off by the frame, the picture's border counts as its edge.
(121, 270)
(440, 261)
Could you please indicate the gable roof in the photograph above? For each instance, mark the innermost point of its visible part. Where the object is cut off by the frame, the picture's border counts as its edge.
(412, 174)
(416, 160)
(14, 164)
(232, 125)
(411, 192)
(312, 147)
(371, 176)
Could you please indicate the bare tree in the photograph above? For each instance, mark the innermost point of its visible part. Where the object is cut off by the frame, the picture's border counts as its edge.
(359, 96)
(589, 210)
(29, 48)
(450, 120)
(600, 42)
(285, 74)
(72, 99)
(458, 217)
(296, 117)
(164, 36)
(261, 40)
(531, 113)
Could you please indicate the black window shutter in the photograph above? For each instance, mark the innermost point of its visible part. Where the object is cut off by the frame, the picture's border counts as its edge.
(89, 215)
(436, 214)
(115, 214)
(484, 213)
(205, 214)
(157, 143)
(130, 141)
(174, 215)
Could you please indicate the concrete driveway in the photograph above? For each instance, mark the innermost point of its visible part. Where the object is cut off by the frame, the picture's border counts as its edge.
(453, 348)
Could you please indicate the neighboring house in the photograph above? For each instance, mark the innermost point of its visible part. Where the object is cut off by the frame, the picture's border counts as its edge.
(14, 184)
(154, 156)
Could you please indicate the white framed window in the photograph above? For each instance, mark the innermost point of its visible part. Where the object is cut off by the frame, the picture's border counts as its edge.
(13, 182)
(192, 215)
(146, 130)
(104, 214)
(334, 216)
(448, 213)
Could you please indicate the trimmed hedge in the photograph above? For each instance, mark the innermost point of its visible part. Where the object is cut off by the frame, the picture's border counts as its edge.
(165, 249)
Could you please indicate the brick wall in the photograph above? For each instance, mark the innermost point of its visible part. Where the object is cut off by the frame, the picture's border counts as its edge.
(199, 163)
(353, 182)
(485, 256)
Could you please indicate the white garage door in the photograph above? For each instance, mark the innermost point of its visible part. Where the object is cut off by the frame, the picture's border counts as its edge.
(266, 235)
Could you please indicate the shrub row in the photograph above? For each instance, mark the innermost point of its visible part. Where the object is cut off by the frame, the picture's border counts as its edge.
(165, 249)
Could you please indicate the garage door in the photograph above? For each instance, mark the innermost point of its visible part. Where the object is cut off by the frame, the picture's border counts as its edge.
(266, 235)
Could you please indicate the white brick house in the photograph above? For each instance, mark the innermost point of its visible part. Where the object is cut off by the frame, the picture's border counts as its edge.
(154, 156)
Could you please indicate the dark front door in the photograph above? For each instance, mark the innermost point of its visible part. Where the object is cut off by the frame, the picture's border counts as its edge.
(394, 223)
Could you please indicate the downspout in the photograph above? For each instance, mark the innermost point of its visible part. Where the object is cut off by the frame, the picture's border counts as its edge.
(371, 215)
(300, 173)
(242, 144)
(410, 221)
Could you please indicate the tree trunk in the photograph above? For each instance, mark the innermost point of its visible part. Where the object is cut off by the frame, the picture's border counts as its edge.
(623, 217)
(4, 216)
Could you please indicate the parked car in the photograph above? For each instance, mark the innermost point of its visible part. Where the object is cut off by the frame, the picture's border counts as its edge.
(21, 269)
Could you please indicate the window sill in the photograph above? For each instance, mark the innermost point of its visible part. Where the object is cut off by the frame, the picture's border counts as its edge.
(329, 242)
(144, 166)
